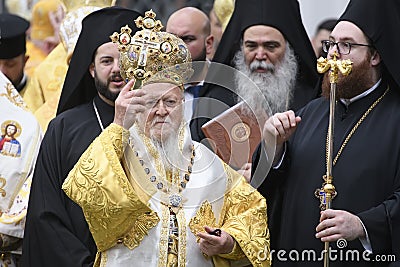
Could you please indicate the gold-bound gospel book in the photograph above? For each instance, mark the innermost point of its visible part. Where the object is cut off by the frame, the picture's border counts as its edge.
(235, 134)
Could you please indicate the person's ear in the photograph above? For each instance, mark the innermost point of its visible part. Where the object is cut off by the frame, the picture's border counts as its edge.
(209, 42)
(375, 58)
(91, 69)
(26, 57)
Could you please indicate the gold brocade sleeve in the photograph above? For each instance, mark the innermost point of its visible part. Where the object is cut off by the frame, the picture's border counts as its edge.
(99, 185)
(244, 217)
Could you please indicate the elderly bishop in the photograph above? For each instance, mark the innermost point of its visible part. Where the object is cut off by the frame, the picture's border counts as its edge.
(150, 194)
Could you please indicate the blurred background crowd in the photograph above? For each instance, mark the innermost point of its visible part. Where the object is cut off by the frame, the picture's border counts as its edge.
(313, 11)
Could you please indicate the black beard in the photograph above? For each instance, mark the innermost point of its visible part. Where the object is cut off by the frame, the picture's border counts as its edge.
(103, 88)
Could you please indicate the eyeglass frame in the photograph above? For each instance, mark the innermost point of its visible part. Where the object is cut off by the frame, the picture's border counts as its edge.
(332, 43)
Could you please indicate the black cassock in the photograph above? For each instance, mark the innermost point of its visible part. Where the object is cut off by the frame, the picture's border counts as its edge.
(366, 177)
(212, 101)
(55, 224)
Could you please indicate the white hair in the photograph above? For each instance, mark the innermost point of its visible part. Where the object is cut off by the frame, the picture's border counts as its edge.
(168, 149)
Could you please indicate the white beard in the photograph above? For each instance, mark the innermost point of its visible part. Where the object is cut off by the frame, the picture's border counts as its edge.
(276, 86)
(171, 156)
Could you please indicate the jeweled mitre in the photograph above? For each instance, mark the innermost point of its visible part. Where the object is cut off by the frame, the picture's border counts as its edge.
(151, 54)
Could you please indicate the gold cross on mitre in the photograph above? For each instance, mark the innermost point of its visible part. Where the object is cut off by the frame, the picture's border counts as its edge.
(145, 43)
(149, 50)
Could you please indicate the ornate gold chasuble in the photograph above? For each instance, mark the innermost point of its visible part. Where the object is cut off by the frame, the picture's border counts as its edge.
(131, 223)
(20, 140)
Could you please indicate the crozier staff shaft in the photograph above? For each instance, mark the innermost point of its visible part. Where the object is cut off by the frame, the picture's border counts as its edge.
(328, 192)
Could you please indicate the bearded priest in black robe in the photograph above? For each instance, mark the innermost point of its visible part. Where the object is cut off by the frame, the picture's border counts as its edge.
(56, 231)
(365, 214)
(281, 76)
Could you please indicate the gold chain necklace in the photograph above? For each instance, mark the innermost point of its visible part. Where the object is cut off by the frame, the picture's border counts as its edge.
(353, 129)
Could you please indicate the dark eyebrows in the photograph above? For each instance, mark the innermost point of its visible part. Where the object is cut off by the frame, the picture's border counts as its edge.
(346, 39)
(267, 43)
(106, 57)
(249, 42)
(187, 37)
